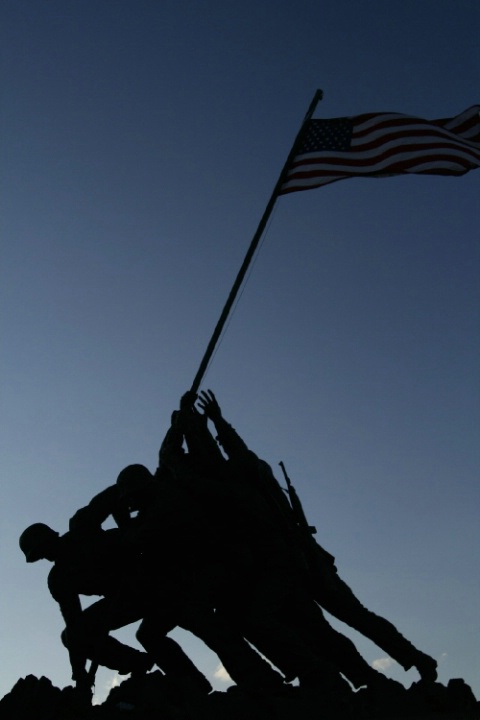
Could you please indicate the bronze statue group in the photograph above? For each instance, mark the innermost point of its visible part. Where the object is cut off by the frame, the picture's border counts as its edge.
(210, 543)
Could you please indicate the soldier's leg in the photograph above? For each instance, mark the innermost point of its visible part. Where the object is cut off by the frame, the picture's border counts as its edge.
(313, 627)
(168, 654)
(276, 641)
(274, 623)
(339, 600)
(244, 665)
(90, 636)
(312, 633)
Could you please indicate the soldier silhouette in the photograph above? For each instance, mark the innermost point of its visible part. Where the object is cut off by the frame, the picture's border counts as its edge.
(328, 589)
(253, 557)
(266, 595)
(87, 563)
(91, 561)
(173, 528)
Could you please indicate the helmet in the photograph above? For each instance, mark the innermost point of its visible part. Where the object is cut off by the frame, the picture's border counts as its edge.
(133, 482)
(35, 540)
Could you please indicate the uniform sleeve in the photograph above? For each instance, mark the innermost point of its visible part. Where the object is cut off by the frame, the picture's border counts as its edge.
(171, 450)
(61, 589)
(103, 505)
(237, 450)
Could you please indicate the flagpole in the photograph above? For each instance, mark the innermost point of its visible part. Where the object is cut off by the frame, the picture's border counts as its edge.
(251, 250)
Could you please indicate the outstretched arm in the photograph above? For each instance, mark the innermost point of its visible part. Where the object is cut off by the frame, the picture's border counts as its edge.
(228, 438)
(106, 503)
(209, 404)
(171, 449)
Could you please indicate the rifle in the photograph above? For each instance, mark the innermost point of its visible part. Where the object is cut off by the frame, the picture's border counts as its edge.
(297, 508)
(314, 551)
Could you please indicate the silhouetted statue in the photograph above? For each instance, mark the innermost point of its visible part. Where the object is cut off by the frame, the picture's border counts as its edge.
(332, 593)
(87, 562)
(173, 532)
(91, 561)
(209, 543)
(268, 595)
(246, 548)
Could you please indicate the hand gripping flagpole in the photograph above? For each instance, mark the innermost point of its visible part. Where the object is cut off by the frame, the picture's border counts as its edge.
(251, 250)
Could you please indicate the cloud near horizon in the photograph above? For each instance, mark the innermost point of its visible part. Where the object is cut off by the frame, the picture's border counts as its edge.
(221, 674)
(383, 664)
(114, 681)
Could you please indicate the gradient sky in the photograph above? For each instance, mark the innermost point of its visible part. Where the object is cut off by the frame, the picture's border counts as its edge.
(140, 143)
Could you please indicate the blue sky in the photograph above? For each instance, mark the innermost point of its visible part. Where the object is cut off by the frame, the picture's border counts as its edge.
(140, 144)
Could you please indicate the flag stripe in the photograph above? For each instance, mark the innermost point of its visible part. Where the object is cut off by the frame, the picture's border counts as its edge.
(386, 149)
(377, 163)
(382, 144)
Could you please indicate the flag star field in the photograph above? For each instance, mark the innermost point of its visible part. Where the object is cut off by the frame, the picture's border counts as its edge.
(327, 135)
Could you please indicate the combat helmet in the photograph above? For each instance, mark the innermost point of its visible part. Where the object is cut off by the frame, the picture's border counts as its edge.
(134, 485)
(36, 540)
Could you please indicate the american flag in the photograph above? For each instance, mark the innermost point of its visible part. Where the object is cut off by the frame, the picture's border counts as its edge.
(382, 144)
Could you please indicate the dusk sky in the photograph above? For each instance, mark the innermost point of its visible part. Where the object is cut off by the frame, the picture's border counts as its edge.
(140, 143)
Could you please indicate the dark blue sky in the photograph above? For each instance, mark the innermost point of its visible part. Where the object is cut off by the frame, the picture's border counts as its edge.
(140, 143)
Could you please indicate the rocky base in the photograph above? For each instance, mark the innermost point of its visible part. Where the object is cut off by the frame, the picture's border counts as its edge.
(153, 696)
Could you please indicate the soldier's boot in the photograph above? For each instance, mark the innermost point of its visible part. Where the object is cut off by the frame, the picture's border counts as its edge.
(328, 689)
(426, 666)
(384, 634)
(383, 686)
(380, 696)
(113, 654)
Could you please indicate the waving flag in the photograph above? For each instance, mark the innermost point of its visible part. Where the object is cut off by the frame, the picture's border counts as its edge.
(373, 145)
(382, 144)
